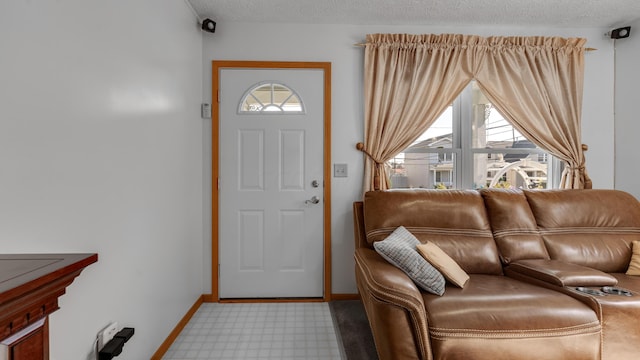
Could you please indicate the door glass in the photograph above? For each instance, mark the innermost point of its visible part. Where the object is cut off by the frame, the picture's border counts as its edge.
(270, 97)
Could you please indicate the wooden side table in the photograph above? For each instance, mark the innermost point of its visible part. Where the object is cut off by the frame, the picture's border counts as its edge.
(30, 285)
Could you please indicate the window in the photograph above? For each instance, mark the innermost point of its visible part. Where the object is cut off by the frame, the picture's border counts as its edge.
(271, 97)
(472, 146)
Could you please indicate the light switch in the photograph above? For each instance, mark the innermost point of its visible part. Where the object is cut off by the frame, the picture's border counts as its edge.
(339, 170)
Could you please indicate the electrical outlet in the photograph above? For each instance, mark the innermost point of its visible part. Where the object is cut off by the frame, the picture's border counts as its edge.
(106, 334)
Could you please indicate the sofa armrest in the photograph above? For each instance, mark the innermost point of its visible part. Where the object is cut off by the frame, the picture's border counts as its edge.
(561, 273)
(394, 306)
(386, 281)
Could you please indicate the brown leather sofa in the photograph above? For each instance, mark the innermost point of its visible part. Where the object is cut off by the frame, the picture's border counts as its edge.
(537, 261)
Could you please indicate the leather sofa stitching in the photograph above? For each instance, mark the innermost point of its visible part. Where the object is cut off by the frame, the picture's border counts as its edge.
(591, 230)
(507, 232)
(443, 333)
(432, 230)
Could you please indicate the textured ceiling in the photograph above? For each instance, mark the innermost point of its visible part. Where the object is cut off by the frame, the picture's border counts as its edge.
(556, 13)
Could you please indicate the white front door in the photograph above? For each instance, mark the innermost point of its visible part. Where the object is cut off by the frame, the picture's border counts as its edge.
(271, 183)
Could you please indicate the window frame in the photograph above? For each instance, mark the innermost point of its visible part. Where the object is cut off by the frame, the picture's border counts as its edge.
(462, 151)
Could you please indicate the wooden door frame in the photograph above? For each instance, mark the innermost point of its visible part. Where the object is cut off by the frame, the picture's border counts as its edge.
(217, 66)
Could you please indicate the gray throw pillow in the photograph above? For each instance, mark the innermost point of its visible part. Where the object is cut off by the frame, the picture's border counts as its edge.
(399, 249)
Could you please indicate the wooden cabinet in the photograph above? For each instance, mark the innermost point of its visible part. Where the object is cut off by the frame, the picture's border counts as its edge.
(31, 343)
(30, 285)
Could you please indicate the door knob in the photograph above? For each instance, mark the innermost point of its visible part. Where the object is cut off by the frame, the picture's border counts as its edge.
(313, 200)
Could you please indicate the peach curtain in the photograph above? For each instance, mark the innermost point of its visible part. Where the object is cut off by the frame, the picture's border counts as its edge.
(409, 81)
(535, 82)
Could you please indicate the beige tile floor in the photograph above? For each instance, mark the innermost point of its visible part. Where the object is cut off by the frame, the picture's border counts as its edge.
(265, 331)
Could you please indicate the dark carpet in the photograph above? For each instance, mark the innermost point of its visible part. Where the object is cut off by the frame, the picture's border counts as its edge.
(352, 327)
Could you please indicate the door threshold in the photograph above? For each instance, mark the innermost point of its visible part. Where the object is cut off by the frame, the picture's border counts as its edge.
(271, 300)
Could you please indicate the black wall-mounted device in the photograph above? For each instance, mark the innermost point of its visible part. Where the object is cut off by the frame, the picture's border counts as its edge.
(209, 25)
(114, 347)
(621, 33)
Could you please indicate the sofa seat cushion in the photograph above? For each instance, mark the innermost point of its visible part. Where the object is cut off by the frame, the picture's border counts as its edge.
(499, 314)
(501, 306)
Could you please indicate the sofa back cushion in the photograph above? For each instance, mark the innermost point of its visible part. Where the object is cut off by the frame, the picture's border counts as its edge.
(514, 227)
(592, 228)
(454, 220)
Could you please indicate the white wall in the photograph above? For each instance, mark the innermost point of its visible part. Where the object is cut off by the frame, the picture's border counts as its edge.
(627, 127)
(335, 43)
(101, 151)
(102, 148)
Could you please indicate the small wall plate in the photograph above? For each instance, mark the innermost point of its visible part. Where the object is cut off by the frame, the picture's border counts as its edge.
(340, 170)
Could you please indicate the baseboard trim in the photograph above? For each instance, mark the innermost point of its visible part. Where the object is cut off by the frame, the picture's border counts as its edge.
(345, 296)
(164, 347)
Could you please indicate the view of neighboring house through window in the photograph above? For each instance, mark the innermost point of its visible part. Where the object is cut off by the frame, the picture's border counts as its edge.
(472, 146)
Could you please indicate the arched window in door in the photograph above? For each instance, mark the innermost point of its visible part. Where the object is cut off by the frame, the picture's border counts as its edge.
(271, 98)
